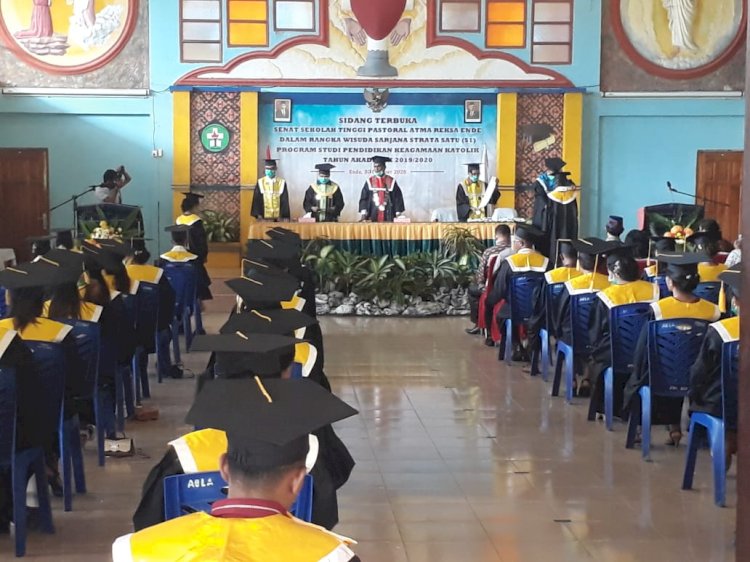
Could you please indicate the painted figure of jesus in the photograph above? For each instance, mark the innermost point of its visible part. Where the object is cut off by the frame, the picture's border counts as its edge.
(681, 17)
(41, 21)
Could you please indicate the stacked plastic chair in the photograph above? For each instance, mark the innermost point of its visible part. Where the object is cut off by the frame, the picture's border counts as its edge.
(716, 427)
(189, 493)
(673, 346)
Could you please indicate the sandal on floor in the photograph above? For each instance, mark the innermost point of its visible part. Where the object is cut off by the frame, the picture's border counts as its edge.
(675, 436)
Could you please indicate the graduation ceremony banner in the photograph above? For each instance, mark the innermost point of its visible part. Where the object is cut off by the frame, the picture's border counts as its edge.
(429, 146)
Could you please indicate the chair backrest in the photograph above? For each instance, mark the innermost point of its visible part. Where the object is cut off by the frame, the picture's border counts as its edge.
(87, 336)
(552, 300)
(49, 361)
(183, 278)
(580, 313)
(130, 302)
(521, 295)
(3, 305)
(147, 309)
(730, 355)
(708, 291)
(625, 326)
(661, 281)
(188, 493)
(7, 414)
(673, 346)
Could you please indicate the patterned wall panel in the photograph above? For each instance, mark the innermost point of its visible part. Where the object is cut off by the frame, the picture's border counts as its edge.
(215, 168)
(540, 127)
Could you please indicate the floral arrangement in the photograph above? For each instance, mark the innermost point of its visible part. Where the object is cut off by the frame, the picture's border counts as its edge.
(679, 233)
(104, 231)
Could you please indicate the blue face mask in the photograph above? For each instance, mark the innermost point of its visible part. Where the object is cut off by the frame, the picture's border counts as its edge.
(270, 173)
(549, 180)
(474, 179)
(323, 181)
(734, 309)
(380, 173)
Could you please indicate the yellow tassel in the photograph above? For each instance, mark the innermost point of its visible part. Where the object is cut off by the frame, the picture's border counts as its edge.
(259, 315)
(243, 336)
(263, 390)
(722, 300)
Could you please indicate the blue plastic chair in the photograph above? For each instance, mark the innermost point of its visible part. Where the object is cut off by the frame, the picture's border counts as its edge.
(189, 493)
(552, 299)
(124, 375)
(661, 281)
(708, 291)
(715, 427)
(20, 464)
(580, 312)
(146, 320)
(625, 326)
(521, 303)
(183, 277)
(87, 338)
(673, 346)
(3, 305)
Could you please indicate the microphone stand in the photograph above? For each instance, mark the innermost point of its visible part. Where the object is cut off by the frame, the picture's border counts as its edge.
(695, 196)
(74, 199)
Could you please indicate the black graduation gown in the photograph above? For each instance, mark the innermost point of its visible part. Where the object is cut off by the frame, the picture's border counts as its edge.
(463, 206)
(333, 209)
(394, 203)
(555, 219)
(600, 358)
(499, 290)
(664, 410)
(258, 207)
(199, 247)
(705, 376)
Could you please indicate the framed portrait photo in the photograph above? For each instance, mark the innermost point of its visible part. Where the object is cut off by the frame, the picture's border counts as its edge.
(473, 111)
(282, 111)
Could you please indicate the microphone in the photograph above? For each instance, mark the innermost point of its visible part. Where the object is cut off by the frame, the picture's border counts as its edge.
(669, 186)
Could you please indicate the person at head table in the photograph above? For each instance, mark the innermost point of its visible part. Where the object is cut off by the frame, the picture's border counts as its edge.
(381, 199)
(470, 195)
(271, 196)
(264, 465)
(112, 183)
(323, 199)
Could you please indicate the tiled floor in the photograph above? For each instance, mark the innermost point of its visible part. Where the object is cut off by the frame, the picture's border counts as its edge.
(459, 458)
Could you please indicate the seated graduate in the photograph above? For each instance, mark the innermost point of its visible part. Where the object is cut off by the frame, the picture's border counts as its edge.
(626, 288)
(32, 429)
(323, 199)
(179, 252)
(381, 199)
(525, 260)
(706, 240)
(502, 249)
(658, 245)
(65, 298)
(64, 238)
(568, 256)
(638, 241)
(470, 195)
(265, 467)
(590, 281)
(705, 374)
(271, 196)
(197, 241)
(682, 279)
(614, 228)
(40, 245)
(26, 284)
(140, 271)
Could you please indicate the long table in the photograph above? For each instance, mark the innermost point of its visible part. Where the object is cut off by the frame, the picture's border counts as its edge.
(379, 238)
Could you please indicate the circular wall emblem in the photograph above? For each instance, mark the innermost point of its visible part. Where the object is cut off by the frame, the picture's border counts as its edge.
(215, 137)
(679, 38)
(71, 37)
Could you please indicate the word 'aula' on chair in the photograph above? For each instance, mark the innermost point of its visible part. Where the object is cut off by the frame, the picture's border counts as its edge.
(673, 346)
(21, 463)
(189, 493)
(580, 312)
(625, 326)
(716, 427)
(521, 303)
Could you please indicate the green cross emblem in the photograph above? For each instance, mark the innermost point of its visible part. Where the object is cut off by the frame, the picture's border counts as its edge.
(215, 137)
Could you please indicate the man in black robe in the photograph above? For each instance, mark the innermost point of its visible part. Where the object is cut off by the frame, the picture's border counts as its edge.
(381, 199)
(197, 241)
(323, 199)
(271, 196)
(555, 206)
(470, 194)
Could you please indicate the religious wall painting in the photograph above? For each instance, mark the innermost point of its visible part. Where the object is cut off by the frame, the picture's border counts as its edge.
(397, 42)
(67, 36)
(679, 39)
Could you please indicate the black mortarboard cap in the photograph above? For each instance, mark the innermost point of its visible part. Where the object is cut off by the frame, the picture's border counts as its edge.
(473, 165)
(37, 274)
(264, 267)
(682, 264)
(555, 164)
(380, 159)
(528, 232)
(100, 257)
(270, 163)
(64, 237)
(239, 342)
(267, 421)
(664, 244)
(231, 365)
(118, 247)
(285, 236)
(193, 195)
(324, 168)
(277, 321)
(64, 258)
(595, 246)
(733, 278)
(263, 288)
(272, 249)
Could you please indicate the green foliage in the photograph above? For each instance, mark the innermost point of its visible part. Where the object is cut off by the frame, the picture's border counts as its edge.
(126, 228)
(659, 224)
(220, 226)
(462, 246)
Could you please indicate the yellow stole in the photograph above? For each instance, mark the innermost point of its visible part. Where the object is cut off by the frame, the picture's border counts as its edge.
(271, 190)
(709, 272)
(562, 274)
(527, 260)
(629, 293)
(41, 329)
(145, 273)
(199, 451)
(586, 283)
(670, 307)
(188, 220)
(729, 328)
(474, 191)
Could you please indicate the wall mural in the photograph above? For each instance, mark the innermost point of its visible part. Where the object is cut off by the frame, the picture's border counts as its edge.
(679, 38)
(400, 42)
